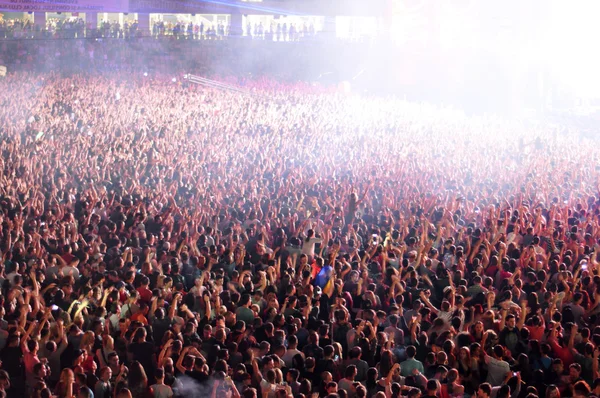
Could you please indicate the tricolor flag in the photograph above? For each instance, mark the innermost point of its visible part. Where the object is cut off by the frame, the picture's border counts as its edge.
(324, 279)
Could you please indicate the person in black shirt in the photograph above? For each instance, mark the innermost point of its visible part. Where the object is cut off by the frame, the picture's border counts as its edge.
(327, 364)
(200, 371)
(484, 391)
(12, 363)
(143, 351)
(432, 389)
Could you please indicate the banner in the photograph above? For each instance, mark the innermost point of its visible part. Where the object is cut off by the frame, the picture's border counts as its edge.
(64, 5)
(182, 6)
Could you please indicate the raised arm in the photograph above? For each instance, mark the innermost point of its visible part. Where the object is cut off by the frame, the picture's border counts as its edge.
(164, 351)
(179, 364)
(428, 303)
(572, 336)
(390, 376)
(256, 371)
(27, 335)
(523, 315)
(207, 309)
(173, 307)
(503, 318)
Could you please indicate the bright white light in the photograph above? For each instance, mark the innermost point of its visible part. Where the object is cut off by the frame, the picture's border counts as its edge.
(556, 39)
(174, 80)
(570, 37)
(145, 74)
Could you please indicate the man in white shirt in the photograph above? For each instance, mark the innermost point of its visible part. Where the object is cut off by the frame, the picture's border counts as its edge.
(11, 277)
(292, 351)
(160, 389)
(498, 369)
(71, 270)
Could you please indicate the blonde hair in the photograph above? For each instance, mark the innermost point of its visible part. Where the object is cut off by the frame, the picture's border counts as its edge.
(108, 342)
(65, 374)
(278, 376)
(87, 341)
(337, 347)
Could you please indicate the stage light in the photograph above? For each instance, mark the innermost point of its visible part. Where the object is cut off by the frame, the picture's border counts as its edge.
(145, 74)
(570, 34)
(174, 80)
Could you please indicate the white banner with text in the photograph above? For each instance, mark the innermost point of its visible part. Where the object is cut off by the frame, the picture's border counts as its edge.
(64, 5)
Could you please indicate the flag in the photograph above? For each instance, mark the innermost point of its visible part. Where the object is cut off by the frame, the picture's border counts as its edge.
(324, 277)
(314, 270)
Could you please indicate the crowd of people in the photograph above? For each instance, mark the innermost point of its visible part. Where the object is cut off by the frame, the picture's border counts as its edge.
(75, 27)
(161, 238)
(189, 30)
(67, 28)
(277, 31)
(243, 59)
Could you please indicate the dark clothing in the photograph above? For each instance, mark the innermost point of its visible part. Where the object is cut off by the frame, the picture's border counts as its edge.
(144, 353)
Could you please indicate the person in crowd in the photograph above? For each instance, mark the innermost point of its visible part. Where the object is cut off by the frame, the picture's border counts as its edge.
(177, 240)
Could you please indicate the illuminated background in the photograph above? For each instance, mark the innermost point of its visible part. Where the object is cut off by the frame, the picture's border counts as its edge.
(524, 52)
(473, 53)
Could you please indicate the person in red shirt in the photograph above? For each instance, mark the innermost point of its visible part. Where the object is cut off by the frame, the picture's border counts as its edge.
(67, 256)
(144, 292)
(562, 352)
(537, 328)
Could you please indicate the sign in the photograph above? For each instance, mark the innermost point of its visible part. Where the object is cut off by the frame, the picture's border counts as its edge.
(65, 5)
(181, 6)
(2, 70)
